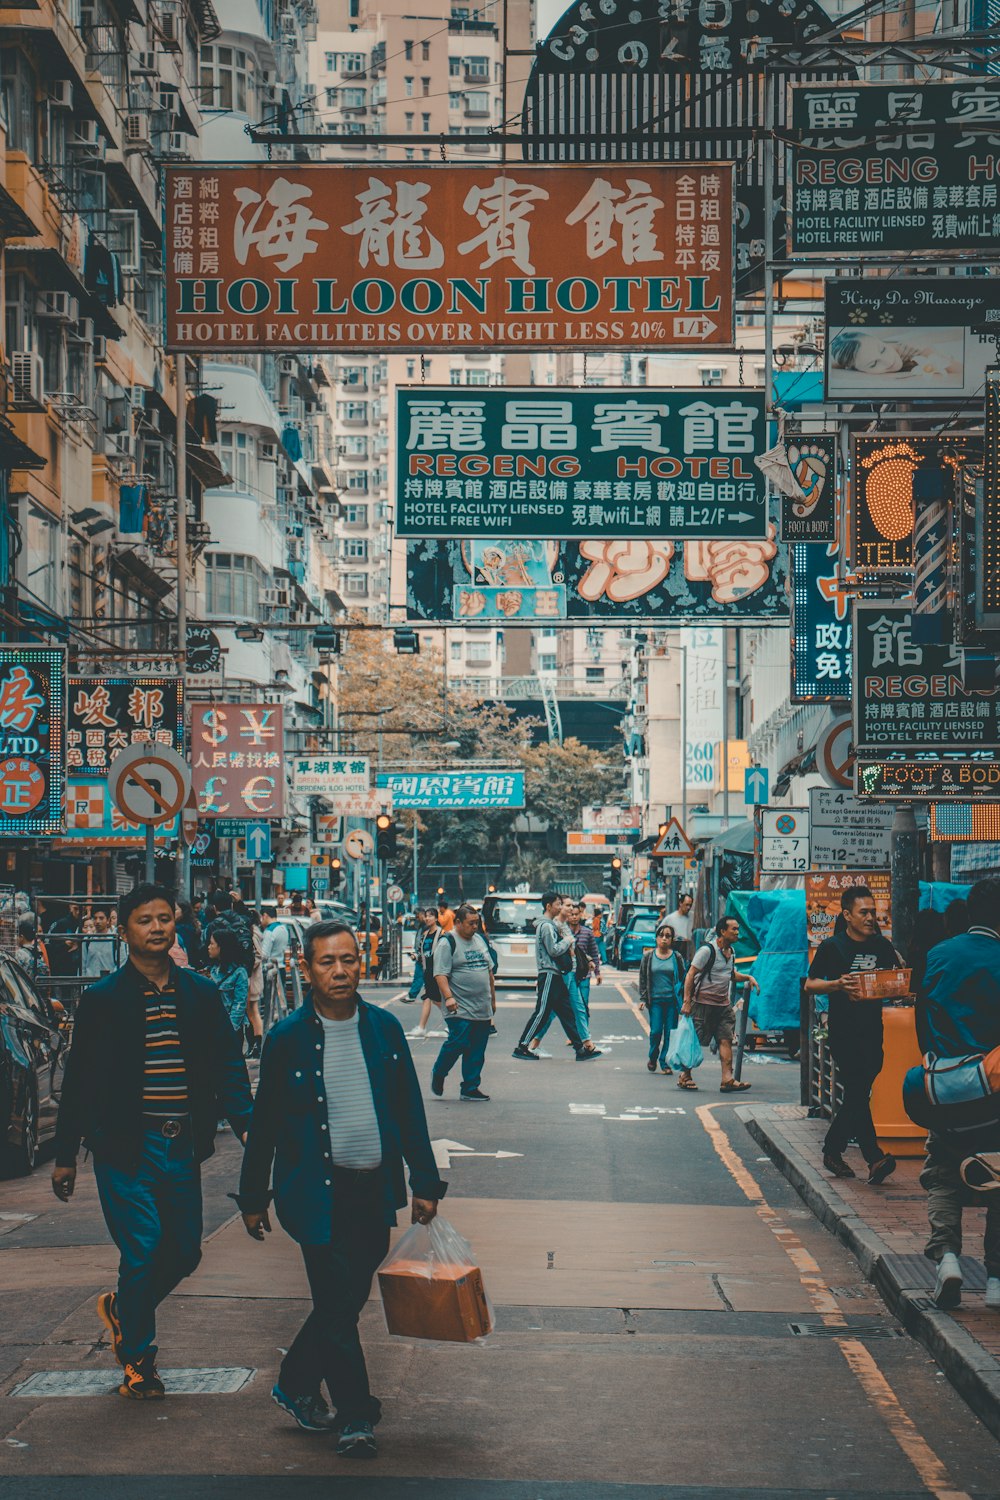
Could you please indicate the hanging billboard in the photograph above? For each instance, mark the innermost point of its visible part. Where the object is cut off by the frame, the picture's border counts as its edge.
(821, 627)
(32, 740)
(106, 714)
(882, 512)
(908, 338)
(894, 167)
(558, 462)
(811, 516)
(237, 760)
(709, 582)
(329, 255)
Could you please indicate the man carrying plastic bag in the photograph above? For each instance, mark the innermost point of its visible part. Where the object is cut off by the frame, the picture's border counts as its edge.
(338, 1108)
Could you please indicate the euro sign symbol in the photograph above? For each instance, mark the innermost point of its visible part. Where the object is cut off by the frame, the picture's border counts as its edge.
(214, 726)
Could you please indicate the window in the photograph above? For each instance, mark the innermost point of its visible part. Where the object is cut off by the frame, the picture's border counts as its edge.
(456, 650)
(411, 368)
(352, 411)
(478, 651)
(409, 153)
(354, 10)
(477, 103)
(547, 663)
(425, 122)
(425, 86)
(455, 377)
(548, 633)
(478, 67)
(425, 51)
(233, 585)
(331, 98)
(408, 87)
(711, 375)
(331, 61)
(408, 49)
(355, 445)
(355, 98)
(595, 674)
(355, 515)
(454, 101)
(409, 125)
(228, 80)
(477, 377)
(480, 686)
(236, 450)
(352, 62)
(355, 583)
(356, 548)
(454, 67)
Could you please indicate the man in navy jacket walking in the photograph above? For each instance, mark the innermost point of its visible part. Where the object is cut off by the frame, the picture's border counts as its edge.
(338, 1108)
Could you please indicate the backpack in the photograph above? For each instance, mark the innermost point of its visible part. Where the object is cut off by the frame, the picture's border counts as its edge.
(706, 972)
(244, 932)
(582, 964)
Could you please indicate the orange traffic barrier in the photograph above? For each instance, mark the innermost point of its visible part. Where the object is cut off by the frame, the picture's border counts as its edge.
(896, 1131)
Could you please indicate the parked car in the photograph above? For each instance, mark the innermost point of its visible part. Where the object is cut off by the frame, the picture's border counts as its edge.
(32, 1058)
(626, 912)
(639, 934)
(510, 919)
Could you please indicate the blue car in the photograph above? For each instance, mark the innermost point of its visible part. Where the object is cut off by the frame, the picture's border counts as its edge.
(639, 935)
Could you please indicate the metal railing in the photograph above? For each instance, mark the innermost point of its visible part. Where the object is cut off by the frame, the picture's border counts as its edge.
(819, 1088)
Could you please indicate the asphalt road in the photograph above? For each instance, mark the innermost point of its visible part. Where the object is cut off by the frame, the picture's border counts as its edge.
(671, 1321)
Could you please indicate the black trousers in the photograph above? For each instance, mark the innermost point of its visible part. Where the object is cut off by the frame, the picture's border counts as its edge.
(553, 997)
(327, 1347)
(853, 1120)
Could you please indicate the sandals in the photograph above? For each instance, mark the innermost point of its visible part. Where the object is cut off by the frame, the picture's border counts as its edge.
(733, 1087)
(687, 1083)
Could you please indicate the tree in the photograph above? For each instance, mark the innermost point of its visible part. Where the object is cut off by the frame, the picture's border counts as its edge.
(562, 779)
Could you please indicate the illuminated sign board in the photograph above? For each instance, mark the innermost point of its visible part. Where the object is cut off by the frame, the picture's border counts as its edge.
(237, 760)
(812, 458)
(106, 714)
(987, 517)
(821, 627)
(535, 461)
(882, 471)
(958, 822)
(337, 256)
(32, 740)
(937, 776)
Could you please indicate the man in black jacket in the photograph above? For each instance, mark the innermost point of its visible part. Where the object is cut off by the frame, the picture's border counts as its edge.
(154, 1065)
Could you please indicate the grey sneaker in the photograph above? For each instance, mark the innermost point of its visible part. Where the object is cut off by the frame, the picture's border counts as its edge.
(948, 1287)
(357, 1441)
(311, 1412)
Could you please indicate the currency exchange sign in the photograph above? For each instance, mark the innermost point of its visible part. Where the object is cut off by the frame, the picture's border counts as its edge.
(894, 167)
(910, 696)
(548, 462)
(32, 740)
(441, 789)
(237, 760)
(330, 255)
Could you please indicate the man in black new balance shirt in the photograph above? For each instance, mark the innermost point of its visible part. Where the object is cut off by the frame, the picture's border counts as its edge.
(855, 1028)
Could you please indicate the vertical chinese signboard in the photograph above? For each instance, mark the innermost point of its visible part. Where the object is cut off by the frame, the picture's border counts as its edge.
(32, 740)
(821, 627)
(237, 761)
(812, 516)
(438, 257)
(530, 462)
(105, 714)
(704, 718)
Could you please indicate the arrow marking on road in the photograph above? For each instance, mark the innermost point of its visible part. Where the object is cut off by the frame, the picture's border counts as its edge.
(444, 1150)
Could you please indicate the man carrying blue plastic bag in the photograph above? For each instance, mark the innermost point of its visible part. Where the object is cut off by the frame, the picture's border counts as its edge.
(708, 992)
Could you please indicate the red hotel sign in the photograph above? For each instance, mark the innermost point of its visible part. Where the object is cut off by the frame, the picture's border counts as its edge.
(438, 257)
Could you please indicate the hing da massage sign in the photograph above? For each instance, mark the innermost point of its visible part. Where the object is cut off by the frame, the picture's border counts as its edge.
(497, 256)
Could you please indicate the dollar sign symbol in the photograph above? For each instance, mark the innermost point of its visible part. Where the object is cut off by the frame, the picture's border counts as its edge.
(214, 724)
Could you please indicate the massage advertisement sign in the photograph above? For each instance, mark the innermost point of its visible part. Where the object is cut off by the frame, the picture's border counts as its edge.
(329, 255)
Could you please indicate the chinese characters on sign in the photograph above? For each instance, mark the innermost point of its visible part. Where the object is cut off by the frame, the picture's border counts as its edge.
(331, 776)
(812, 459)
(236, 760)
(518, 257)
(547, 462)
(92, 818)
(440, 789)
(724, 582)
(823, 893)
(705, 724)
(32, 740)
(913, 697)
(821, 627)
(105, 714)
(888, 167)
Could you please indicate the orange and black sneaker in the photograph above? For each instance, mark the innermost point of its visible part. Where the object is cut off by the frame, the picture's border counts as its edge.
(107, 1311)
(142, 1383)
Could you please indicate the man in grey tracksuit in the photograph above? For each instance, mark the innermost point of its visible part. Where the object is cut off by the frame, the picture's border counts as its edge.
(554, 954)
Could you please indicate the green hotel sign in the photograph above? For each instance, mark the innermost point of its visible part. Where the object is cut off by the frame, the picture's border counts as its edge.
(561, 463)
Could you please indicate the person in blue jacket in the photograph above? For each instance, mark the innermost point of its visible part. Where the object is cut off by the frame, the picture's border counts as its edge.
(225, 955)
(961, 987)
(338, 1109)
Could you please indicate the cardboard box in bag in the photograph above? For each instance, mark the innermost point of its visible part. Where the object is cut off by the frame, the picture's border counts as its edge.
(450, 1305)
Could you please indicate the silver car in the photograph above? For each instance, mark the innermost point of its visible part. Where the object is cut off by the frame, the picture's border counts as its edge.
(510, 919)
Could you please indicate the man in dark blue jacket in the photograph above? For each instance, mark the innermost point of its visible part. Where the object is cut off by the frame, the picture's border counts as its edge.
(338, 1107)
(153, 1067)
(962, 989)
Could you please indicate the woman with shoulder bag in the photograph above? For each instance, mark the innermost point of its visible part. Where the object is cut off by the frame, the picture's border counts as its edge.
(661, 990)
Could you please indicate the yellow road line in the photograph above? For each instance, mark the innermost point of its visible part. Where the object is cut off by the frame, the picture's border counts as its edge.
(930, 1470)
(639, 1014)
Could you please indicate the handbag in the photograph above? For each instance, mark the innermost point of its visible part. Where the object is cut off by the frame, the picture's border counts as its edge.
(954, 1093)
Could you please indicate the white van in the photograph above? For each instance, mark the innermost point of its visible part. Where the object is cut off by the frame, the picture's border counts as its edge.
(510, 919)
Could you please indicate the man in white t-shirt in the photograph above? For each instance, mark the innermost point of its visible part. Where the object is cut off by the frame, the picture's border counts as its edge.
(708, 991)
(680, 921)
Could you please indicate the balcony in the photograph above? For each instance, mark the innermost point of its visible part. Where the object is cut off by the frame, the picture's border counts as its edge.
(477, 108)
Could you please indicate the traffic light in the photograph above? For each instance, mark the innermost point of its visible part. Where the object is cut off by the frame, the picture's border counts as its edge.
(613, 875)
(335, 875)
(385, 837)
(326, 638)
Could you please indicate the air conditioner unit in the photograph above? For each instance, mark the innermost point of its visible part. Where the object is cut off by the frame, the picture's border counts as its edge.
(266, 453)
(136, 130)
(179, 144)
(100, 348)
(61, 94)
(85, 133)
(277, 598)
(137, 397)
(146, 63)
(28, 377)
(168, 24)
(84, 331)
(59, 306)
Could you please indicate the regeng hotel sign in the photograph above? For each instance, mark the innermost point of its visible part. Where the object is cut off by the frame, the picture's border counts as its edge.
(443, 257)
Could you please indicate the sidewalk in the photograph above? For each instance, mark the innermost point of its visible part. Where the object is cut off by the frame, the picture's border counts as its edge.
(885, 1229)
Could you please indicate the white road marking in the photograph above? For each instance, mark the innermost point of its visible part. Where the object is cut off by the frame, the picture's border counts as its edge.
(444, 1150)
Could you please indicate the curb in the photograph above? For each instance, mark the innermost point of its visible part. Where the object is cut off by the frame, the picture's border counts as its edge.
(973, 1372)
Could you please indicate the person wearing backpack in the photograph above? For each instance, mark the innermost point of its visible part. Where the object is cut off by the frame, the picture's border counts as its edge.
(708, 992)
(855, 1028)
(464, 974)
(661, 990)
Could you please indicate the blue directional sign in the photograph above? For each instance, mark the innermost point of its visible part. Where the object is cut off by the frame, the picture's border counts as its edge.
(755, 786)
(258, 841)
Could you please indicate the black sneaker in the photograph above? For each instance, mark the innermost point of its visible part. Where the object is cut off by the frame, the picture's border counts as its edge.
(437, 1085)
(141, 1382)
(525, 1054)
(589, 1056)
(357, 1441)
(477, 1096)
(881, 1170)
(837, 1165)
(311, 1412)
(493, 1031)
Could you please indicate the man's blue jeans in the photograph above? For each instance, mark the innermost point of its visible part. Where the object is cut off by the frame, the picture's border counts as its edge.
(154, 1216)
(466, 1040)
(663, 1017)
(579, 999)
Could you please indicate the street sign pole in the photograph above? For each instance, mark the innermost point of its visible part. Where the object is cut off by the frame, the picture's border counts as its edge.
(258, 885)
(150, 854)
(904, 865)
